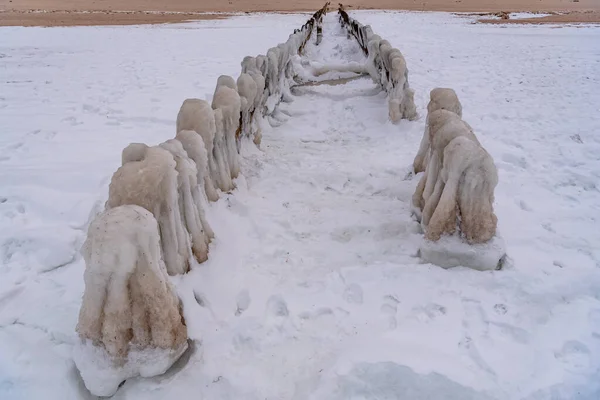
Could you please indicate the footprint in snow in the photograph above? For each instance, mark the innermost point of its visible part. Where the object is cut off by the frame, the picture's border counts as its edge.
(389, 309)
(276, 310)
(511, 332)
(524, 206)
(575, 356)
(242, 301)
(475, 320)
(10, 295)
(73, 121)
(594, 317)
(313, 315)
(429, 312)
(353, 294)
(201, 299)
(515, 160)
(345, 235)
(500, 309)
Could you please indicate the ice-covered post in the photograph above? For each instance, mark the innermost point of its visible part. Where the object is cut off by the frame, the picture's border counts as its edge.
(386, 65)
(197, 115)
(439, 99)
(130, 321)
(191, 208)
(454, 198)
(151, 182)
(319, 19)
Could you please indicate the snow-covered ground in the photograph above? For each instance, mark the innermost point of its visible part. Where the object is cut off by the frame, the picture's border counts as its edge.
(313, 289)
(513, 15)
(524, 15)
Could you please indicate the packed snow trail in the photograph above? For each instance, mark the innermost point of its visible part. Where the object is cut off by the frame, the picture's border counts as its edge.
(313, 289)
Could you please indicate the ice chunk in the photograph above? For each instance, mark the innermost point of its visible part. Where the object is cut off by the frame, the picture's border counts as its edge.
(102, 377)
(452, 251)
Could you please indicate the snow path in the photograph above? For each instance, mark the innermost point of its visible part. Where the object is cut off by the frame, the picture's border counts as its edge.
(313, 290)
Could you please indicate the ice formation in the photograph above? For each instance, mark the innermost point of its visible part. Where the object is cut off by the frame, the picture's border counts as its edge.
(130, 321)
(470, 177)
(453, 251)
(197, 115)
(190, 206)
(221, 155)
(455, 195)
(227, 101)
(443, 127)
(151, 183)
(252, 112)
(248, 91)
(133, 152)
(439, 99)
(194, 147)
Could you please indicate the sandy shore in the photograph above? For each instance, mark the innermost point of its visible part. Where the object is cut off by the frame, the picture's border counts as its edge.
(88, 18)
(110, 12)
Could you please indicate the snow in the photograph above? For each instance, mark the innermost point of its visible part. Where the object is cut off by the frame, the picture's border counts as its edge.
(511, 15)
(524, 15)
(313, 288)
(385, 380)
